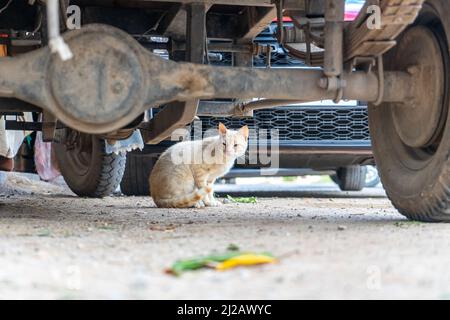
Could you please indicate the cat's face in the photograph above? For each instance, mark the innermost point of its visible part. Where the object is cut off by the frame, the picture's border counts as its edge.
(233, 142)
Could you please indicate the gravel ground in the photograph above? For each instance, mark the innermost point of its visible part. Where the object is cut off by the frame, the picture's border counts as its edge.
(55, 245)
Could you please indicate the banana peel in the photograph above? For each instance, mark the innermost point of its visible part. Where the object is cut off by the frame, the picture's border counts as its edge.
(221, 262)
(181, 266)
(248, 259)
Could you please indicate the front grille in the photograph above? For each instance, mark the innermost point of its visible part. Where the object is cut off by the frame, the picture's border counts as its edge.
(309, 124)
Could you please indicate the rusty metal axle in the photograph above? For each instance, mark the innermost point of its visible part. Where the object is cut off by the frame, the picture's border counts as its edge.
(112, 79)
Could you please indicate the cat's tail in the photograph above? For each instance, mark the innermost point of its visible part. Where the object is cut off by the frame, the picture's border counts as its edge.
(187, 201)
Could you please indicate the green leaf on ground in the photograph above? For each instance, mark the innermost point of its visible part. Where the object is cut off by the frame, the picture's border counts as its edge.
(242, 199)
(44, 233)
(406, 224)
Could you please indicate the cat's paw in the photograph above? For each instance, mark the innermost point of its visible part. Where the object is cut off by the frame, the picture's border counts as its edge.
(214, 203)
(199, 205)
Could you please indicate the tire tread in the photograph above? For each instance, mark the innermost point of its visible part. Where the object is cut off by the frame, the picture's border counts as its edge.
(351, 178)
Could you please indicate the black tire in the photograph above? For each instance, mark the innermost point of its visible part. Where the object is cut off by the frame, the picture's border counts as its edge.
(87, 169)
(416, 176)
(351, 178)
(137, 171)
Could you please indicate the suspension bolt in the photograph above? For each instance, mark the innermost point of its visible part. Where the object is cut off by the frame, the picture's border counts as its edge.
(117, 88)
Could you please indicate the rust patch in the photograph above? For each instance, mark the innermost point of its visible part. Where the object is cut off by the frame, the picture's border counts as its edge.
(192, 82)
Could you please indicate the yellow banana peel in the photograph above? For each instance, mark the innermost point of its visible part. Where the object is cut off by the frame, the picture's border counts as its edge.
(245, 260)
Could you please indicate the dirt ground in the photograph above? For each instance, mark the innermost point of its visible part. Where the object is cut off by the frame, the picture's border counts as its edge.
(55, 245)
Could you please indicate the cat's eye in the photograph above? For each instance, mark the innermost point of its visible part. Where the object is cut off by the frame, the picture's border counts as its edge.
(235, 145)
(224, 144)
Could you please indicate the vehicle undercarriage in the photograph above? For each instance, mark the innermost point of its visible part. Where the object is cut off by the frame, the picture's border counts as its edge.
(100, 80)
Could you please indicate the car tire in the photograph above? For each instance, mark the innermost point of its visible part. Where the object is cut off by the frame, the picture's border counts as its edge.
(137, 172)
(87, 169)
(412, 145)
(351, 178)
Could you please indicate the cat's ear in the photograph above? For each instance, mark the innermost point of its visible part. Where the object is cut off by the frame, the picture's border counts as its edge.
(222, 129)
(244, 131)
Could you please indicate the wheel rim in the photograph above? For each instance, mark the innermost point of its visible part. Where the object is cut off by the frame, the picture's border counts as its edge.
(420, 122)
(78, 149)
(371, 175)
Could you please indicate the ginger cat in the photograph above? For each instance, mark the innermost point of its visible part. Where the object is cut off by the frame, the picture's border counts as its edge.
(184, 174)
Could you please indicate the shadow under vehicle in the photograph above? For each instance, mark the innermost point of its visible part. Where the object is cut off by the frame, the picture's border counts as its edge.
(321, 137)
